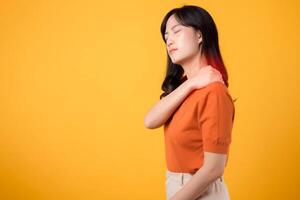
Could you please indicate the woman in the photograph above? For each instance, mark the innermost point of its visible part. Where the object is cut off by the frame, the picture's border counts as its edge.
(196, 108)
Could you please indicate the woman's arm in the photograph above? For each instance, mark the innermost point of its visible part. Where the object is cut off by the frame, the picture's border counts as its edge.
(212, 169)
(164, 108)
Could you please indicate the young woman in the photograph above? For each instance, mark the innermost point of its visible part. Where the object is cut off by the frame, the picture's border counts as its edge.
(196, 108)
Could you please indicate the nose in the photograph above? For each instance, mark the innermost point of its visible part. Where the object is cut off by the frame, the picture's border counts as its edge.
(169, 43)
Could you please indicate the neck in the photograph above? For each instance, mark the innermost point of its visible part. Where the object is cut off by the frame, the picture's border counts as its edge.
(193, 65)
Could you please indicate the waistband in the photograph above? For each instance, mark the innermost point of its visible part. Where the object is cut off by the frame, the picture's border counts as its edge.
(184, 175)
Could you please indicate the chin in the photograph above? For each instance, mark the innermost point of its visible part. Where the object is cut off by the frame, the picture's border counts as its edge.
(177, 60)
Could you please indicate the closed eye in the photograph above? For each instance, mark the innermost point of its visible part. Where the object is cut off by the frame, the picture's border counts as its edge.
(174, 32)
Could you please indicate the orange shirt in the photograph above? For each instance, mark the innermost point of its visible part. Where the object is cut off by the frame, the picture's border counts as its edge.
(203, 122)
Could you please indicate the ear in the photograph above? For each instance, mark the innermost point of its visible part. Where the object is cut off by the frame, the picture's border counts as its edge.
(199, 36)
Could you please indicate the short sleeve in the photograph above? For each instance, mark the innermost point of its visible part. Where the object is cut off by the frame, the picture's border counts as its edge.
(215, 120)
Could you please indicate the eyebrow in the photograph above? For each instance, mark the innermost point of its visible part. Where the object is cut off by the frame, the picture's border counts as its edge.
(173, 27)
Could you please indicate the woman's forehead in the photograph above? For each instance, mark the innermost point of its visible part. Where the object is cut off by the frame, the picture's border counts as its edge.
(171, 24)
(172, 21)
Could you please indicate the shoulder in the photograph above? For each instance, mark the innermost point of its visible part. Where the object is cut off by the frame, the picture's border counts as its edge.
(213, 91)
(214, 87)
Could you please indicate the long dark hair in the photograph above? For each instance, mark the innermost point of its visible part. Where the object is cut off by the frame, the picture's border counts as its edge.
(199, 19)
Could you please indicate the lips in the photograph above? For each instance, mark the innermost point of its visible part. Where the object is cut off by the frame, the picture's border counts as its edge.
(172, 50)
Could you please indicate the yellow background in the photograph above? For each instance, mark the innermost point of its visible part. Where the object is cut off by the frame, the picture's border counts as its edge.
(77, 78)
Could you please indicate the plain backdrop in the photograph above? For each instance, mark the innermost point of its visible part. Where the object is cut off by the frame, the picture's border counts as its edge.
(77, 78)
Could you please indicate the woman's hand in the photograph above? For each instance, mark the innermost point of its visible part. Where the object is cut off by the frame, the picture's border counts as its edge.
(204, 76)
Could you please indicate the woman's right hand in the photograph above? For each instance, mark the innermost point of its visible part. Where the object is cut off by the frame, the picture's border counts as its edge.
(204, 76)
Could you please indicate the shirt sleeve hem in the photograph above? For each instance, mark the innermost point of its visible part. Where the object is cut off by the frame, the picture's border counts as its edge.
(224, 149)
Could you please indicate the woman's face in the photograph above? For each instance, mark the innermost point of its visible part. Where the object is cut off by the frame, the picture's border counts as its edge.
(182, 38)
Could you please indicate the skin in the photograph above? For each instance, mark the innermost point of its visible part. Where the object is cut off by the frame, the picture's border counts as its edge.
(186, 40)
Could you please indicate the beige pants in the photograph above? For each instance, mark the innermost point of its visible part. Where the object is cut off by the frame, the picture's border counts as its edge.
(175, 181)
